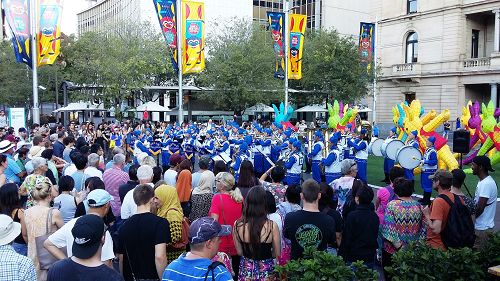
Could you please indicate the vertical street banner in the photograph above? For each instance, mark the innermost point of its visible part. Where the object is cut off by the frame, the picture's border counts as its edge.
(49, 31)
(167, 16)
(366, 44)
(18, 20)
(193, 34)
(277, 26)
(297, 30)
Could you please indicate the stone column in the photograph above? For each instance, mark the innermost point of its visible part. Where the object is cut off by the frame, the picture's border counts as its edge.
(496, 47)
(494, 93)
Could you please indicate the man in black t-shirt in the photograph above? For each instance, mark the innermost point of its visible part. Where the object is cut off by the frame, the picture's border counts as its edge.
(142, 240)
(85, 264)
(309, 227)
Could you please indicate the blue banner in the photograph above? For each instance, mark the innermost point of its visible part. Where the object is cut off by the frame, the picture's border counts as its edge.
(277, 25)
(167, 16)
(18, 19)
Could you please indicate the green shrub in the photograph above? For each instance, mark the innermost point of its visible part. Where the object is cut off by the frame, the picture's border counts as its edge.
(319, 265)
(421, 262)
(490, 254)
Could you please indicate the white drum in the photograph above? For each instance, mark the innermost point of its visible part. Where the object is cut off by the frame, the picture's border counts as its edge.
(409, 157)
(390, 148)
(375, 147)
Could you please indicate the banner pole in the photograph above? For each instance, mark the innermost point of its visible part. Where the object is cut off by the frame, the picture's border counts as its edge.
(375, 62)
(287, 47)
(179, 60)
(34, 60)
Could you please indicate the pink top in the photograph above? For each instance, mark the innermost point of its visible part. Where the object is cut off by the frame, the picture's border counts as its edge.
(383, 196)
(113, 178)
(228, 214)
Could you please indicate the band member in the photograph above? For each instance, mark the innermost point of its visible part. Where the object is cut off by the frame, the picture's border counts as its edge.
(360, 146)
(294, 164)
(209, 144)
(332, 162)
(258, 157)
(411, 141)
(429, 167)
(188, 145)
(316, 155)
(389, 163)
(139, 144)
(242, 156)
(225, 146)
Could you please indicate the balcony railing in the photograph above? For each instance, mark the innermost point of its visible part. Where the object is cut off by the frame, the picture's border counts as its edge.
(406, 69)
(479, 62)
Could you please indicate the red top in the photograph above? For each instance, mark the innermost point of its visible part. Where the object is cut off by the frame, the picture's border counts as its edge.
(228, 214)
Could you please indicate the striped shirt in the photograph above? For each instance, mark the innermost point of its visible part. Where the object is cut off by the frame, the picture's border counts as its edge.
(194, 269)
(15, 267)
(112, 179)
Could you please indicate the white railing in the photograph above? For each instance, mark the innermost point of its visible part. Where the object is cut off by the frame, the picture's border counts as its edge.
(479, 62)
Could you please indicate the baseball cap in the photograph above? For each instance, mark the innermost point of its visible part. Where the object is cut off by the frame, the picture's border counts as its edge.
(206, 228)
(98, 197)
(484, 162)
(9, 230)
(87, 232)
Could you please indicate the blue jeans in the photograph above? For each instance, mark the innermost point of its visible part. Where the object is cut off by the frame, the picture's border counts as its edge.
(21, 249)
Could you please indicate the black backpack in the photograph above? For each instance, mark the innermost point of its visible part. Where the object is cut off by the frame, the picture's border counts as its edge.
(211, 269)
(459, 230)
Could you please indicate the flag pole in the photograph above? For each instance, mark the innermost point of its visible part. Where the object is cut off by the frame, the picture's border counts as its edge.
(34, 60)
(179, 60)
(375, 62)
(285, 42)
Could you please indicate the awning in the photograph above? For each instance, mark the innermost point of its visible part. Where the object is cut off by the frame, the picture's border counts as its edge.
(259, 108)
(80, 106)
(151, 106)
(312, 108)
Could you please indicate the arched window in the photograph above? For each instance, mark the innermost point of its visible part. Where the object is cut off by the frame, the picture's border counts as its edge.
(411, 6)
(411, 48)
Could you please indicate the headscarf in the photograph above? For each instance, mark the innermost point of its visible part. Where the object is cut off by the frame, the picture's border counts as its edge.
(170, 200)
(206, 183)
(184, 185)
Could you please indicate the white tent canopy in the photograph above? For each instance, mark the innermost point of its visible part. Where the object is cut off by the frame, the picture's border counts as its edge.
(151, 106)
(259, 108)
(80, 106)
(312, 108)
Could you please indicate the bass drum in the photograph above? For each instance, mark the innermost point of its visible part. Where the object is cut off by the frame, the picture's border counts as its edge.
(409, 157)
(390, 148)
(375, 147)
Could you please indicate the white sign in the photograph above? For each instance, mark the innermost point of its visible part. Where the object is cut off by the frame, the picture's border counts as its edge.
(17, 117)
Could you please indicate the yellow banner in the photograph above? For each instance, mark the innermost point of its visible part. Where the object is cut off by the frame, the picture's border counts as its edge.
(49, 31)
(297, 29)
(193, 53)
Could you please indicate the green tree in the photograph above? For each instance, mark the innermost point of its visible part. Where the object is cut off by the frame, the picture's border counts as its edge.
(331, 69)
(240, 67)
(121, 62)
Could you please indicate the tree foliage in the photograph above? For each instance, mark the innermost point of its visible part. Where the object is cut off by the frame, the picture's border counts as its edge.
(240, 67)
(331, 69)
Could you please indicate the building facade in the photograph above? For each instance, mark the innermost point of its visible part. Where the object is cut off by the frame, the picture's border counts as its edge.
(443, 53)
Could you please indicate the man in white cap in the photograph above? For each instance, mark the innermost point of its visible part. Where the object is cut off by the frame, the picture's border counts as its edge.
(97, 203)
(13, 266)
(13, 172)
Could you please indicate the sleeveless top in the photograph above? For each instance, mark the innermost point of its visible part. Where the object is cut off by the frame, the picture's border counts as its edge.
(265, 250)
(19, 239)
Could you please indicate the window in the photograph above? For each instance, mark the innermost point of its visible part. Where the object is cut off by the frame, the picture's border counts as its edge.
(412, 6)
(409, 97)
(411, 48)
(475, 44)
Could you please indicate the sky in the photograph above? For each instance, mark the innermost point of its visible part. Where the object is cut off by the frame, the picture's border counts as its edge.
(69, 19)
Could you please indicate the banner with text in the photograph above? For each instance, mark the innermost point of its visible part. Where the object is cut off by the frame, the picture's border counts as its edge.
(49, 32)
(18, 20)
(193, 53)
(167, 16)
(276, 23)
(297, 30)
(366, 44)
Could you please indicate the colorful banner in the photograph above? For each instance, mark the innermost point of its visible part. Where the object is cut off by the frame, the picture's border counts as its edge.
(297, 30)
(193, 53)
(167, 16)
(366, 44)
(276, 24)
(17, 17)
(49, 32)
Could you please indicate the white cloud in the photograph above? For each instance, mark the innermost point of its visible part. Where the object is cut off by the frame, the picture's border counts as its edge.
(69, 18)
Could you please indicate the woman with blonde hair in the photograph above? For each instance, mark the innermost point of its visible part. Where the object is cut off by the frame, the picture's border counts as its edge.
(226, 208)
(168, 207)
(41, 219)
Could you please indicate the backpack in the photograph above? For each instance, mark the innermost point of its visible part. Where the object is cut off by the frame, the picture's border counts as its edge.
(182, 243)
(459, 230)
(211, 269)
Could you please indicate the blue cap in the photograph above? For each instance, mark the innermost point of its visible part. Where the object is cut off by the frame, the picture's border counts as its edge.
(288, 133)
(414, 132)
(206, 228)
(432, 139)
(137, 133)
(209, 132)
(226, 134)
(269, 131)
(297, 144)
(349, 126)
(279, 126)
(98, 197)
(242, 131)
(318, 134)
(292, 140)
(334, 138)
(363, 131)
(248, 139)
(244, 146)
(393, 129)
